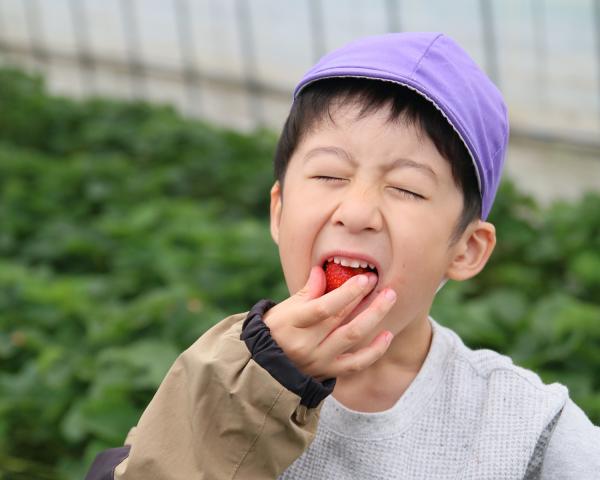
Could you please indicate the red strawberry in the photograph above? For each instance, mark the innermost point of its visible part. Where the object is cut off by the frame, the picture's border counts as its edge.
(336, 275)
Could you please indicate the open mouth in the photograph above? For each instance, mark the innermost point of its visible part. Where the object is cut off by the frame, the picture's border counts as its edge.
(339, 270)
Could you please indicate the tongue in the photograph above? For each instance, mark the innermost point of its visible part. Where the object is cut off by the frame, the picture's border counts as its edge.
(336, 275)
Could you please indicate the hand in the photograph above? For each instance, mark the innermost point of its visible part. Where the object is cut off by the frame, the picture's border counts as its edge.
(309, 326)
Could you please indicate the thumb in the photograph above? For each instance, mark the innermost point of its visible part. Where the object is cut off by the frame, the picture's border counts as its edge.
(315, 285)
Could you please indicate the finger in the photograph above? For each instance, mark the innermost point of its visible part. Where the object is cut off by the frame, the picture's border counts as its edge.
(354, 332)
(337, 304)
(348, 363)
(296, 305)
(314, 286)
(342, 304)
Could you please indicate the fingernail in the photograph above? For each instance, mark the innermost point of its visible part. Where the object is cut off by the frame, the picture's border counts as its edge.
(388, 337)
(390, 295)
(362, 280)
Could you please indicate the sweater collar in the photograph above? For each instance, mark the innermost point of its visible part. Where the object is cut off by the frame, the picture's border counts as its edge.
(344, 421)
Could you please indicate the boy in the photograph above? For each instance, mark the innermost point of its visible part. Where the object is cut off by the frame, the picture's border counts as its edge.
(386, 170)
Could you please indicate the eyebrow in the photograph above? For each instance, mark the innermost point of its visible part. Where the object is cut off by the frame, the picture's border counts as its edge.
(339, 152)
(398, 163)
(407, 162)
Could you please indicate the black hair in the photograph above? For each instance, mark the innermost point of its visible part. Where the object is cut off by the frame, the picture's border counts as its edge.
(316, 100)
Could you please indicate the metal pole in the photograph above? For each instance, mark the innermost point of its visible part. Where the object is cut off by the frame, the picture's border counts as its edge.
(35, 32)
(539, 32)
(596, 7)
(183, 25)
(246, 36)
(392, 13)
(2, 40)
(1, 26)
(87, 69)
(133, 49)
(317, 29)
(489, 40)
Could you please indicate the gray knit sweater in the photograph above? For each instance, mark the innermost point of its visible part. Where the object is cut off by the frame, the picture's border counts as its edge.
(469, 414)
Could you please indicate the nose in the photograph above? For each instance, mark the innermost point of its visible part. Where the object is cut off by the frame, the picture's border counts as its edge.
(359, 210)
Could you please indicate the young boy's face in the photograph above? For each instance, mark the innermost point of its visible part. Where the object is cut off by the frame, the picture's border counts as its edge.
(393, 202)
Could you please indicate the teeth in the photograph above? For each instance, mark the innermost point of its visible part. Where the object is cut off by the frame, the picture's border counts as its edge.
(348, 262)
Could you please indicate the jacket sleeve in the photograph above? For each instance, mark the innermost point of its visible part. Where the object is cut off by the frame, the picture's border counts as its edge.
(232, 406)
(574, 448)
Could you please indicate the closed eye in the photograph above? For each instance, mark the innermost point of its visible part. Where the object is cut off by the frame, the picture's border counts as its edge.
(400, 191)
(329, 179)
(408, 194)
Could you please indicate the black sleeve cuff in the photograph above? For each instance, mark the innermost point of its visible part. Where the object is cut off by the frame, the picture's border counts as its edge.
(105, 463)
(270, 356)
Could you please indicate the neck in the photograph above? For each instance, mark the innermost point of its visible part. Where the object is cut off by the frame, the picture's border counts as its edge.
(409, 347)
(381, 385)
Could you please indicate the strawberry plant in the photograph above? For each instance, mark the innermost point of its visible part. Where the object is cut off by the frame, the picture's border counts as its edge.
(126, 231)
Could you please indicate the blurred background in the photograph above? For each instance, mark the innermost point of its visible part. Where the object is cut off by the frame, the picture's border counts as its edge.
(136, 141)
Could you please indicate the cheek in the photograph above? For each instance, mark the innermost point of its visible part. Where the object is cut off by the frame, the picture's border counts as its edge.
(419, 264)
(299, 228)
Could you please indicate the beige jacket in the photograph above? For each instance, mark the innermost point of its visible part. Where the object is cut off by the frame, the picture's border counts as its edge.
(216, 415)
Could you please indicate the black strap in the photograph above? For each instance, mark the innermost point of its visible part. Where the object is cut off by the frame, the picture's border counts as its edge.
(534, 468)
(105, 463)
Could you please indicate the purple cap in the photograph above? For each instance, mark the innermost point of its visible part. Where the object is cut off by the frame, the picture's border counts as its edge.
(436, 67)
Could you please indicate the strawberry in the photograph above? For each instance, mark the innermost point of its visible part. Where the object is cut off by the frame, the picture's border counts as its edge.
(336, 275)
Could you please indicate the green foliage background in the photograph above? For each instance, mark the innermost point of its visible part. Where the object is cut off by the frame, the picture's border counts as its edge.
(126, 231)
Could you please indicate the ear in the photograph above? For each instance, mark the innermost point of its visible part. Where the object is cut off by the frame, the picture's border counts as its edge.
(472, 251)
(275, 211)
